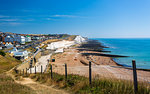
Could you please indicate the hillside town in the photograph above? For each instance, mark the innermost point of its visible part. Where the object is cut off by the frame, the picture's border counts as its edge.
(17, 44)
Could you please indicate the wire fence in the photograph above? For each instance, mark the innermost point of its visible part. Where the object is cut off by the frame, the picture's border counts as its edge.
(93, 72)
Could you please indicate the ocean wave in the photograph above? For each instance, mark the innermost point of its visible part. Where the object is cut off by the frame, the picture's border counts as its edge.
(108, 45)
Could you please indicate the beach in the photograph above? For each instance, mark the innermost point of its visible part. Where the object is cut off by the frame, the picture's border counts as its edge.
(77, 56)
(77, 60)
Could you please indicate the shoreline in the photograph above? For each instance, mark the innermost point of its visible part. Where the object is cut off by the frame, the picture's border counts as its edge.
(130, 67)
(102, 66)
(118, 56)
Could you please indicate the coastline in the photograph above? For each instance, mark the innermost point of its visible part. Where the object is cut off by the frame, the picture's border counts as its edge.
(104, 66)
(118, 56)
(129, 67)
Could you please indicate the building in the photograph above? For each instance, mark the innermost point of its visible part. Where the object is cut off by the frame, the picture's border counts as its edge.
(19, 54)
(35, 38)
(8, 45)
(14, 39)
(9, 38)
(28, 38)
(20, 39)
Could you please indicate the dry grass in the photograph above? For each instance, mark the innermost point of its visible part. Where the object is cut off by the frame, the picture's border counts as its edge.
(80, 85)
(44, 47)
(72, 37)
(8, 86)
(7, 62)
(31, 49)
(51, 40)
(7, 49)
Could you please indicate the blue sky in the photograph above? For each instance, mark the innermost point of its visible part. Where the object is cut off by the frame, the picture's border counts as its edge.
(90, 18)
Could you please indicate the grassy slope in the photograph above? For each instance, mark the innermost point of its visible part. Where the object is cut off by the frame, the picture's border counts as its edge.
(72, 37)
(79, 85)
(7, 84)
(7, 62)
(30, 49)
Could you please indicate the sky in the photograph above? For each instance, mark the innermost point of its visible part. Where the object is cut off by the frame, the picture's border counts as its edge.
(88, 18)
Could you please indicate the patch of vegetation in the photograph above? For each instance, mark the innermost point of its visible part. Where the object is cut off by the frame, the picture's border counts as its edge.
(31, 49)
(7, 62)
(28, 42)
(65, 36)
(44, 47)
(2, 53)
(51, 40)
(80, 85)
(6, 49)
(72, 37)
(8, 86)
(45, 52)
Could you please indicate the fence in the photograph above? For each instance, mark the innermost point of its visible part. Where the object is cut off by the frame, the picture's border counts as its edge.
(65, 70)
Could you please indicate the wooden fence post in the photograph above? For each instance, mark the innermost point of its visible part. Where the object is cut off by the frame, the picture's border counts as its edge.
(26, 71)
(45, 68)
(90, 73)
(20, 72)
(51, 71)
(41, 69)
(35, 69)
(30, 71)
(66, 72)
(23, 71)
(135, 76)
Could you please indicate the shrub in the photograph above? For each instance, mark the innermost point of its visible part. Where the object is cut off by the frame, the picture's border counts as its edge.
(2, 53)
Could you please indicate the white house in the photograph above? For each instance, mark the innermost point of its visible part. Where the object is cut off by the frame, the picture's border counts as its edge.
(28, 39)
(9, 38)
(19, 54)
(22, 40)
(17, 38)
(8, 45)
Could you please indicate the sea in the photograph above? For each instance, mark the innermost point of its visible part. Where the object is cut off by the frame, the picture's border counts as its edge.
(136, 48)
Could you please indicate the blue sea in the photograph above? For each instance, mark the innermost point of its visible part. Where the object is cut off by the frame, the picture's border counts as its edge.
(136, 49)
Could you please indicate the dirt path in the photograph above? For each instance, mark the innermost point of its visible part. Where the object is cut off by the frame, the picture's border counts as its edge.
(40, 88)
(37, 87)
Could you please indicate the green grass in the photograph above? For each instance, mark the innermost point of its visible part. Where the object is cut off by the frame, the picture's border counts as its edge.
(7, 62)
(80, 85)
(2, 53)
(8, 86)
(31, 49)
(72, 37)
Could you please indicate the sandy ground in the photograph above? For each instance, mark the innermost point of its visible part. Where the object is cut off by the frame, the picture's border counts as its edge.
(101, 66)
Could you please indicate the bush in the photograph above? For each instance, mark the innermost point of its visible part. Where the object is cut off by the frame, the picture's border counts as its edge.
(2, 53)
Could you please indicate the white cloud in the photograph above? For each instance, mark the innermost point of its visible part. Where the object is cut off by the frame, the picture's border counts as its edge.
(3, 16)
(14, 20)
(10, 23)
(8, 20)
(67, 16)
